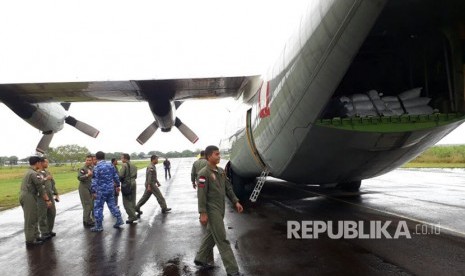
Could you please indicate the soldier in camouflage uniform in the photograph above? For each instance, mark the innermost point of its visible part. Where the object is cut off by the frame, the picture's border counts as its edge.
(212, 189)
(31, 192)
(151, 187)
(47, 215)
(196, 167)
(128, 175)
(85, 180)
(103, 191)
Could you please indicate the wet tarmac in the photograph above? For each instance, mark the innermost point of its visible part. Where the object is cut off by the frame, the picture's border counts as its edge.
(428, 204)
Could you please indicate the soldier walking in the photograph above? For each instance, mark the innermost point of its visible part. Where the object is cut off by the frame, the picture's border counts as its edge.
(151, 187)
(196, 167)
(167, 166)
(31, 192)
(213, 186)
(103, 191)
(128, 176)
(85, 180)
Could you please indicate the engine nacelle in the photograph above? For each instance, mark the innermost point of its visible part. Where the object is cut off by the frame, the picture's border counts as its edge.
(163, 112)
(47, 117)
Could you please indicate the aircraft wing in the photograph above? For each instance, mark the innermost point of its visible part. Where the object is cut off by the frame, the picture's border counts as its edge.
(124, 91)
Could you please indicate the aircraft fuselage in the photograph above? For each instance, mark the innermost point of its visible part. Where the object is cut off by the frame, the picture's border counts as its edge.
(329, 55)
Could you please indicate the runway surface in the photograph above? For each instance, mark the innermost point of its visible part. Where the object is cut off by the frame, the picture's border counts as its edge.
(428, 203)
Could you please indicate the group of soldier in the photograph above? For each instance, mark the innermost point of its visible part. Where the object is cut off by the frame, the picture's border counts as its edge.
(101, 181)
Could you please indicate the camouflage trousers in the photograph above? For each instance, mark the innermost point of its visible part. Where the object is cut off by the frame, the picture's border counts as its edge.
(109, 198)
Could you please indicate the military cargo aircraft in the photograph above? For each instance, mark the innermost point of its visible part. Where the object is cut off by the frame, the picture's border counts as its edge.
(360, 88)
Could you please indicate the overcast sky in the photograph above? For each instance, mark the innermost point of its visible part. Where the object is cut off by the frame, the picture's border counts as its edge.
(47, 41)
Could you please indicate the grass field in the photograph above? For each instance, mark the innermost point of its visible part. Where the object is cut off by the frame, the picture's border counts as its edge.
(442, 154)
(11, 177)
(434, 165)
(65, 178)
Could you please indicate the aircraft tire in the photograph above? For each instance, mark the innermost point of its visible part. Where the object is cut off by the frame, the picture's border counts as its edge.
(238, 183)
(351, 186)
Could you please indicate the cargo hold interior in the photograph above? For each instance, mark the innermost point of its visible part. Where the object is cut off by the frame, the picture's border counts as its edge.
(412, 63)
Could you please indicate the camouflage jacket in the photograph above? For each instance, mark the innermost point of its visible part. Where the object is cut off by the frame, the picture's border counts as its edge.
(104, 177)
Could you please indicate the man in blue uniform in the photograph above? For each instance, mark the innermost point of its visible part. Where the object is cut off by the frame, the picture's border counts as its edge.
(103, 179)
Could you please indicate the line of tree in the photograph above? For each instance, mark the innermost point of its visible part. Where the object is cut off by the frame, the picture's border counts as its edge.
(5, 160)
(143, 155)
(74, 154)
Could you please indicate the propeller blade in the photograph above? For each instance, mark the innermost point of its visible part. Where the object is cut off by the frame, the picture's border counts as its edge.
(87, 129)
(66, 106)
(147, 133)
(44, 143)
(177, 104)
(186, 131)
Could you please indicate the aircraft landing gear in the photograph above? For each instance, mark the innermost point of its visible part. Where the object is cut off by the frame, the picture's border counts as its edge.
(351, 186)
(238, 183)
